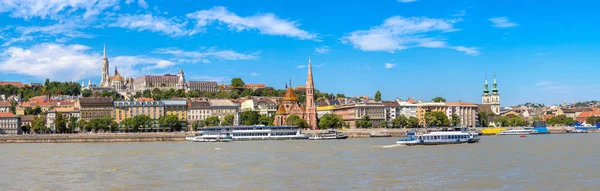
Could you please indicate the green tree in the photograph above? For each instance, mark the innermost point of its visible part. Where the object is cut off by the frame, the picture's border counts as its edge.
(147, 93)
(137, 95)
(593, 120)
(378, 96)
(86, 93)
(561, 120)
(210, 121)
(237, 83)
(72, 124)
(26, 129)
(249, 117)
(340, 95)
(295, 120)
(195, 125)
(364, 122)
(227, 120)
(142, 121)
(247, 92)
(501, 121)
(114, 126)
(331, 121)
(436, 119)
(127, 124)
(483, 119)
(39, 125)
(265, 120)
(400, 121)
(170, 121)
(438, 99)
(81, 124)
(60, 123)
(412, 122)
(13, 107)
(455, 121)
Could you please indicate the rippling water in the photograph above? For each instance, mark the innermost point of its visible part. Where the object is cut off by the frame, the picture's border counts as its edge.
(546, 162)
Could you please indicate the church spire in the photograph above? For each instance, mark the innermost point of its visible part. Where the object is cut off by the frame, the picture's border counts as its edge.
(485, 86)
(104, 51)
(116, 71)
(309, 79)
(495, 86)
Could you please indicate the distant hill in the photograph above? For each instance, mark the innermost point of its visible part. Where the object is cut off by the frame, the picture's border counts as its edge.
(531, 105)
(585, 104)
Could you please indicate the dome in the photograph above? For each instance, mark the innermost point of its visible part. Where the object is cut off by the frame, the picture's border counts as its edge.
(290, 95)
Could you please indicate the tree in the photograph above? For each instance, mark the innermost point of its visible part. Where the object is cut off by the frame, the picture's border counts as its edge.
(26, 129)
(265, 120)
(483, 119)
(592, 120)
(195, 125)
(137, 95)
(501, 121)
(210, 121)
(412, 122)
(13, 107)
(364, 122)
(60, 123)
(86, 93)
(127, 124)
(295, 120)
(39, 125)
(438, 99)
(400, 121)
(237, 83)
(72, 124)
(142, 121)
(170, 121)
(340, 95)
(455, 120)
(81, 124)
(227, 120)
(114, 126)
(561, 120)
(147, 93)
(331, 121)
(249, 117)
(437, 119)
(378, 96)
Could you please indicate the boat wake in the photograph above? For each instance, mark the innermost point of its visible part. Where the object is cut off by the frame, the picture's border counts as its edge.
(391, 146)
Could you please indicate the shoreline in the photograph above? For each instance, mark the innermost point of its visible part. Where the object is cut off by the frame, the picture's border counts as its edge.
(179, 136)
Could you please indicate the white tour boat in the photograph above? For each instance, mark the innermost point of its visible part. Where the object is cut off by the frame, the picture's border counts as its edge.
(518, 132)
(331, 134)
(259, 132)
(439, 138)
(202, 136)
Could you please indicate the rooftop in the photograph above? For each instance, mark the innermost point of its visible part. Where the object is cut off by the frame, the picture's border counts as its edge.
(7, 114)
(92, 100)
(221, 102)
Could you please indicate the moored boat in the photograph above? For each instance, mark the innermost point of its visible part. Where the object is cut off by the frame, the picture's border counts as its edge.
(258, 132)
(525, 131)
(202, 136)
(384, 134)
(439, 138)
(331, 134)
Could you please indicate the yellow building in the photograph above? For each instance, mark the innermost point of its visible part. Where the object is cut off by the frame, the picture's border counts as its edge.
(176, 107)
(130, 109)
(424, 108)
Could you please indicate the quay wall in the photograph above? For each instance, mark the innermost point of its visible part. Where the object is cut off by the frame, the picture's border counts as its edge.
(93, 138)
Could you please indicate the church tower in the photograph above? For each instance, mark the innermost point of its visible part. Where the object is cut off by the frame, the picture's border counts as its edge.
(495, 98)
(181, 80)
(311, 110)
(485, 98)
(104, 82)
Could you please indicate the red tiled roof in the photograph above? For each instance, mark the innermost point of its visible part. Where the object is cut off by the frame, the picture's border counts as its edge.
(7, 114)
(574, 110)
(145, 99)
(390, 103)
(4, 104)
(16, 84)
(587, 114)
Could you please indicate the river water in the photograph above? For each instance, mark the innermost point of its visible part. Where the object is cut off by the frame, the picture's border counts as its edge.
(543, 162)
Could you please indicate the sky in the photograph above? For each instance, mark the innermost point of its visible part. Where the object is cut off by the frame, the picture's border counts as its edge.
(541, 51)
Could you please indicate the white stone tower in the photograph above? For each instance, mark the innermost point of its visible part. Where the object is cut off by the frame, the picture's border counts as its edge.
(104, 82)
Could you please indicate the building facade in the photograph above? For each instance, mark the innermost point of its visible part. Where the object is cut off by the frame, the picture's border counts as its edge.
(223, 107)
(95, 107)
(203, 86)
(466, 111)
(290, 106)
(493, 98)
(264, 106)
(130, 109)
(254, 86)
(198, 111)
(10, 124)
(65, 112)
(392, 109)
(322, 110)
(354, 112)
(408, 109)
(424, 108)
(4, 107)
(148, 82)
(177, 108)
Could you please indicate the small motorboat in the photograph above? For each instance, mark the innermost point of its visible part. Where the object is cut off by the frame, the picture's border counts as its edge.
(523, 136)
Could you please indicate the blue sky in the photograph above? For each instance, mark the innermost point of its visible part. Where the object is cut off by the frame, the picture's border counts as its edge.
(541, 51)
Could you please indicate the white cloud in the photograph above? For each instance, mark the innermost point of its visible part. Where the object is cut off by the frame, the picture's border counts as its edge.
(218, 79)
(301, 66)
(314, 66)
(461, 13)
(203, 56)
(55, 9)
(255, 74)
(322, 50)
(143, 4)
(473, 51)
(129, 1)
(399, 33)
(544, 83)
(406, 1)
(171, 27)
(17, 39)
(389, 65)
(502, 22)
(266, 23)
(53, 61)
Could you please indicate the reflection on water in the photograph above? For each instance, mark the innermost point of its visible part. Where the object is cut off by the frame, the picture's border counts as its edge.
(548, 162)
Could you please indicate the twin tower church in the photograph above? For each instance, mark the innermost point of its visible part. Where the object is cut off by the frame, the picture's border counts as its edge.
(491, 99)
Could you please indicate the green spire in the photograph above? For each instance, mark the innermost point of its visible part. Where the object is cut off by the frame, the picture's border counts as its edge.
(495, 87)
(485, 87)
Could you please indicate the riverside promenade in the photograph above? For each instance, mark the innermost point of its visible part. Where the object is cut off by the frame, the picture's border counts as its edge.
(93, 137)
